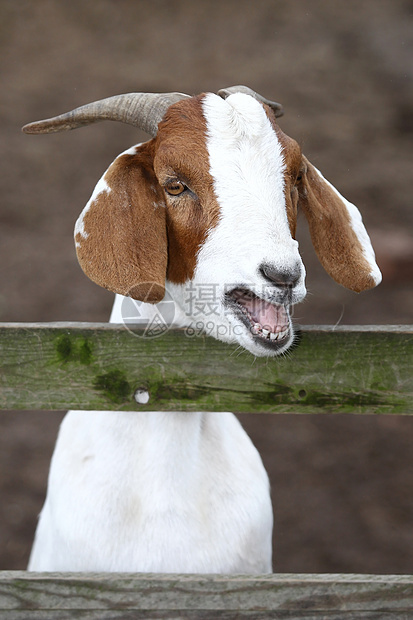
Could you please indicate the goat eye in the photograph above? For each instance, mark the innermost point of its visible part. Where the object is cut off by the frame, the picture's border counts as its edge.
(174, 188)
(299, 177)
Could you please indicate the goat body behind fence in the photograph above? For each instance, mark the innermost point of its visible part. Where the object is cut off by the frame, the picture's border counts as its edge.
(210, 201)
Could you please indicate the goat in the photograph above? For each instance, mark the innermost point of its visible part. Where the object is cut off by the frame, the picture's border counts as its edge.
(212, 197)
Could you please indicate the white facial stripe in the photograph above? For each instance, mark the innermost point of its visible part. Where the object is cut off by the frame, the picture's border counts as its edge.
(357, 225)
(247, 165)
(246, 160)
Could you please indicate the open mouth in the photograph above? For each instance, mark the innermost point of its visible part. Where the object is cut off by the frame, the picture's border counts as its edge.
(268, 323)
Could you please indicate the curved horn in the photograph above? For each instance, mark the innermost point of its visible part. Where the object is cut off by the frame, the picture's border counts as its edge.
(226, 92)
(143, 110)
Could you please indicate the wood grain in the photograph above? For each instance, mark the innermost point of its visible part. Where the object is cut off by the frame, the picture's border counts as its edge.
(100, 366)
(198, 596)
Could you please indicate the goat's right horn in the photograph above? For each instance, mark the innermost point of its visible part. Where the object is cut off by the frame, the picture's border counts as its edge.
(143, 110)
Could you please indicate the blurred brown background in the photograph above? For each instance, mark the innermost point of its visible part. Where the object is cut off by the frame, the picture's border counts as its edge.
(342, 485)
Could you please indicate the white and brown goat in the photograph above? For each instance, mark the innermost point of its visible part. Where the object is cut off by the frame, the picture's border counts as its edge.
(212, 198)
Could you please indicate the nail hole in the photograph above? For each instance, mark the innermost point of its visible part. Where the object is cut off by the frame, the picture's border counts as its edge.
(302, 393)
(141, 396)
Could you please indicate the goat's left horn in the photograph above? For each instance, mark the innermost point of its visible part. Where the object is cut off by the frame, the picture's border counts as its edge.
(226, 92)
(143, 110)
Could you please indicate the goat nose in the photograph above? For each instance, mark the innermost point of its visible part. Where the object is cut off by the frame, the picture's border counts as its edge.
(284, 278)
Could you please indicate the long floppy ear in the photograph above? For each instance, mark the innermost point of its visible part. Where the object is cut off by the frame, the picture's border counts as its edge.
(337, 232)
(120, 236)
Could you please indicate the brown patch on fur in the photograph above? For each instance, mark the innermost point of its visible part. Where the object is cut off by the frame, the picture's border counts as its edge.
(181, 154)
(336, 244)
(125, 247)
(293, 162)
(136, 234)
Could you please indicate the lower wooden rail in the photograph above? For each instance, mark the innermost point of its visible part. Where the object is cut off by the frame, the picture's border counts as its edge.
(145, 596)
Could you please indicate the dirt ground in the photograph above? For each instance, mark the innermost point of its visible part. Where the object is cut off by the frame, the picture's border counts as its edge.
(341, 485)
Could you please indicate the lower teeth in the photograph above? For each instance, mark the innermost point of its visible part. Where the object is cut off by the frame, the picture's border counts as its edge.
(268, 335)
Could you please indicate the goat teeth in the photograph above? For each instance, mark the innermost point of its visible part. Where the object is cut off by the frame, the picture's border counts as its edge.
(265, 332)
(273, 336)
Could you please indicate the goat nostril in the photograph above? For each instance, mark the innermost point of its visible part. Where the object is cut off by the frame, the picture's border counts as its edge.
(281, 277)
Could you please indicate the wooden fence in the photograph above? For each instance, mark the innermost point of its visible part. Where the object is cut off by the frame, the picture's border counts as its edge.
(99, 366)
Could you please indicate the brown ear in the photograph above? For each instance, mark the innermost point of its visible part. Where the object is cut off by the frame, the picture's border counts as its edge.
(337, 232)
(120, 236)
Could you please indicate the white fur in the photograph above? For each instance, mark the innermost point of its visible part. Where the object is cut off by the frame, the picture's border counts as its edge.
(154, 492)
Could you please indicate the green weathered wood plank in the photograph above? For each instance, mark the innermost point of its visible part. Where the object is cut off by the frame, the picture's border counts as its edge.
(104, 595)
(100, 366)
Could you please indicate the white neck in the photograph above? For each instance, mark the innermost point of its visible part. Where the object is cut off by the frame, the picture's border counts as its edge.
(125, 307)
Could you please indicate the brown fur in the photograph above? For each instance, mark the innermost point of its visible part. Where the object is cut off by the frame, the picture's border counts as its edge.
(126, 249)
(137, 235)
(336, 244)
(293, 163)
(181, 153)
